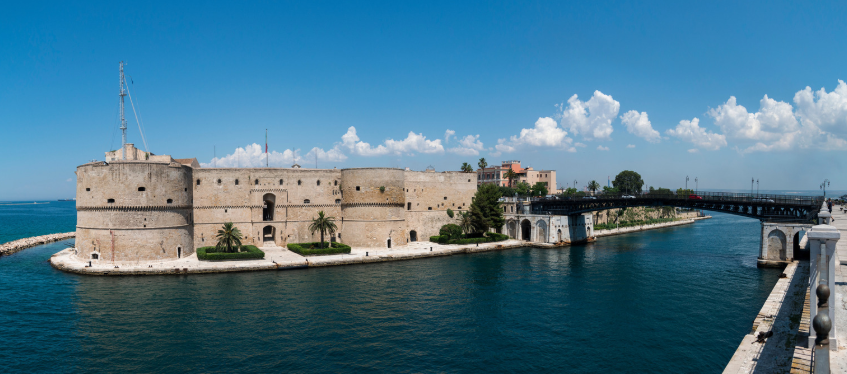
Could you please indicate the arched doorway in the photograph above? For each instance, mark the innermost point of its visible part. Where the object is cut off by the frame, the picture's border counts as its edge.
(413, 236)
(776, 245)
(512, 226)
(388, 243)
(268, 207)
(801, 249)
(526, 230)
(559, 234)
(178, 252)
(542, 231)
(268, 235)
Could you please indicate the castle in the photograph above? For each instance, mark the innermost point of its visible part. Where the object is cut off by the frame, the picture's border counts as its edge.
(146, 207)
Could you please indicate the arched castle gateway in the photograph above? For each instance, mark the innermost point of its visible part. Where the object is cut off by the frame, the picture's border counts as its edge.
(151, 207)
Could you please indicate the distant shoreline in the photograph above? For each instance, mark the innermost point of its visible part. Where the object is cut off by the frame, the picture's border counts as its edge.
(32, 203)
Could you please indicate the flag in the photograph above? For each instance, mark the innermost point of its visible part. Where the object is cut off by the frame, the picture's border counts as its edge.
(266, 140)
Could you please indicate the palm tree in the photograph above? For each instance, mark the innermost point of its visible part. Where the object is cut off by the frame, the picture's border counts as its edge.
(228, 238)
(593, 186)
(467, 168)
(465, 222)
(324, 225)
(511, 175)
(482, 164)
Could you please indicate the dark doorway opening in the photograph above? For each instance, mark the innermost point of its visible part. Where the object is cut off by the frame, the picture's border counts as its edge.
(268, 207)
(526, 230)
(413, 236)
(268, 234)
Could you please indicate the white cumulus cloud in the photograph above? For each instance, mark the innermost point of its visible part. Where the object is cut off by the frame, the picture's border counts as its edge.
(602, 148)
(639, 125)
(545, 133)
(630, 146)
(593, 118)
(253, 156)
(690, 131)
(447, 135)
(414, 143)
(468, 146)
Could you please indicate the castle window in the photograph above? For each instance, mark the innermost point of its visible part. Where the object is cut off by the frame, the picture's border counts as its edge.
(256, 182)
(408, 206)
(198, 182)
(236, 182)
(225, 210)
(299, 182)
(358, 188)
(338, 201)
(170, 201)
(319, 182)
(469, 180)
(110, 201)
(95, 256)
(87, 189)
(336, 183)
(141, 189)
(219, 181)
(185, 189)
(306, 201)
(280, 182)
(445, 197)
(429, 208)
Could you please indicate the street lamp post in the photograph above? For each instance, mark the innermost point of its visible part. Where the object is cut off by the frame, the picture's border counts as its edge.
(823, 187)
(757, 188)
(696, 184)
(686, 183)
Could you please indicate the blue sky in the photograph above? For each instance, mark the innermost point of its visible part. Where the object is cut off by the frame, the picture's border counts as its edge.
(667, 89)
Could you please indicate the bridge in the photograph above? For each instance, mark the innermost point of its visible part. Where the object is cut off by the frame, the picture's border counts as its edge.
(785, 218)
(767, 208)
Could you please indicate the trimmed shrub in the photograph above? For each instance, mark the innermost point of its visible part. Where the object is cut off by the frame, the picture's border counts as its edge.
(314, 249)
(450, 212)
(249, 252)
(443, 239)
(497, 237)
(435, 239)
(451, 231)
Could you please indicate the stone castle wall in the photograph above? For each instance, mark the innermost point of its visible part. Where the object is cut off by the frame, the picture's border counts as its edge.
(182, 209)
(134, 211)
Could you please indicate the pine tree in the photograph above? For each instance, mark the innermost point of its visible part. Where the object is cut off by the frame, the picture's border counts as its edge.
(485, 211)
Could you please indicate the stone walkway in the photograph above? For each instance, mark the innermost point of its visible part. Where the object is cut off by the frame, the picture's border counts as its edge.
(276, 258)
(769, 347)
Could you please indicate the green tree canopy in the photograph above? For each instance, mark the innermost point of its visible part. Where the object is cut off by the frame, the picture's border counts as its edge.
(485, 209)
(507, 191)
(539, 189)
(522, 188)
(511, 175)
(610, 190)
(482, 164)
(593, 186)
(628, 182)
(467, 168)
(324, 225)
(229, 238)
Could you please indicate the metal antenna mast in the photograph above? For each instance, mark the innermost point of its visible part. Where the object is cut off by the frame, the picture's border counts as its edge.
(123, 120)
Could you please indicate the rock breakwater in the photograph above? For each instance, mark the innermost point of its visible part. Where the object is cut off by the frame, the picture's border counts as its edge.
(17, 245)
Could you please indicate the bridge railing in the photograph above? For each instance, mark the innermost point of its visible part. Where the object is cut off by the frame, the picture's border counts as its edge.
(725, 197)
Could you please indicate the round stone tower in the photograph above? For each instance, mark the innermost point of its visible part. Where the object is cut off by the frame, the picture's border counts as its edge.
(372, 203)
(129, 211)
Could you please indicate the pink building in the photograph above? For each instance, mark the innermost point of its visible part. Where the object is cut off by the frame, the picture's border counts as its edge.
(497, 175)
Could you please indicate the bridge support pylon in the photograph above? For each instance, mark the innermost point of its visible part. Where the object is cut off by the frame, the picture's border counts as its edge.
(782, 243)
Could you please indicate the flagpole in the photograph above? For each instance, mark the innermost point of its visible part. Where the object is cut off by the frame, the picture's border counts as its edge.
(266, 148)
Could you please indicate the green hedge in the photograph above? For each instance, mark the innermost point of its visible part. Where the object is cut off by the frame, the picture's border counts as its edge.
(609, 226)
(314, 249)
(249, 252)
(489, 237)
